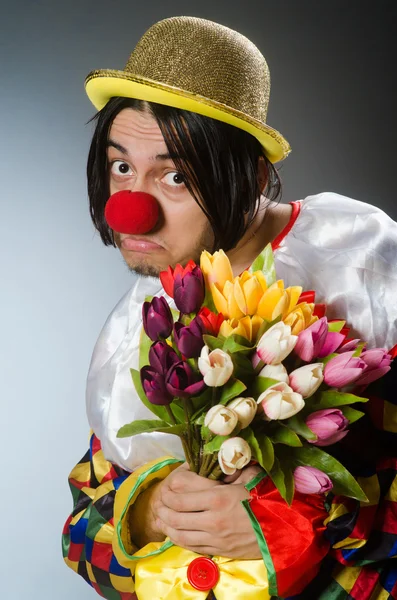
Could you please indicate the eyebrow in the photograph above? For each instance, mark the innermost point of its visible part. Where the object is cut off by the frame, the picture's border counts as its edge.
(166, 156)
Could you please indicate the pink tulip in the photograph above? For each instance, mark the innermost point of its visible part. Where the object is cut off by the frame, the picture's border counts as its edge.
(317, 342)
(309, 480)
(378, 364)
(350, 345)
(343, 370)
(329, 425)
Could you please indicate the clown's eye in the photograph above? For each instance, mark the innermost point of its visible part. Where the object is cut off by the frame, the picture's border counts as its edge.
(119, 167)
(174, 179)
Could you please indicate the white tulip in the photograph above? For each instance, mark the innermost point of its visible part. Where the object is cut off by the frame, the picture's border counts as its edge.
(280, 401)
(245, 408)
(221, 420)
(234, 454)
(277, 372)
(276, 343)
(306, 380)
(216, 367)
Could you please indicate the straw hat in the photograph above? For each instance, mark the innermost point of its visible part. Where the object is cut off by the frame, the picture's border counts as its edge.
(200, 66)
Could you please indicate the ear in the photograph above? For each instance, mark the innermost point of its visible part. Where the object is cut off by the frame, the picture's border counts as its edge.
(263, 173)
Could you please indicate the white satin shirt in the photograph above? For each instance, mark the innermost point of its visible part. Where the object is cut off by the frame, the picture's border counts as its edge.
(344, 249)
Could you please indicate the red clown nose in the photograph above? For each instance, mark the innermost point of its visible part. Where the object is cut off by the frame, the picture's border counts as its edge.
(131, 212)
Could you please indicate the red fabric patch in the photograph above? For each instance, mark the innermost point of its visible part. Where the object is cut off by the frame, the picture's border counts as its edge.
(364, 523)
(79, 484)
(101, 555)
(96, 445)
(365, 584)
(75, 551)
(294, 534)
(97, 589)
(386, 519)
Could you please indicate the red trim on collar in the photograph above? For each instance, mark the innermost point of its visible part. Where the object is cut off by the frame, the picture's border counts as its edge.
(296, 208)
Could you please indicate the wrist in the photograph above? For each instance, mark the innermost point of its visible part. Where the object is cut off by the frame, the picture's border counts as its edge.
(142, 518)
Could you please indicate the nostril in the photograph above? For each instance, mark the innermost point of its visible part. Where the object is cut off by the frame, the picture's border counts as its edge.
(132, 212)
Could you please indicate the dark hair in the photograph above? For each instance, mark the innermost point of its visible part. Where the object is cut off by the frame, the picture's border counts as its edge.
(219, 164)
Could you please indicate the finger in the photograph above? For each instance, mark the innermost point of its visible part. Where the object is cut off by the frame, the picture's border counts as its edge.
(247, 475)
(196, 521)
(232, 478)
(186, 538)
(186, 481)
(191, 501)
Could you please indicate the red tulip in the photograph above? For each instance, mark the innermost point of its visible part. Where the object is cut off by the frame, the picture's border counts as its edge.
(211, 321)
(167, 277)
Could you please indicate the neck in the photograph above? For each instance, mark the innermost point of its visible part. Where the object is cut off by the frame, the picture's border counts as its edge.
(267, 225)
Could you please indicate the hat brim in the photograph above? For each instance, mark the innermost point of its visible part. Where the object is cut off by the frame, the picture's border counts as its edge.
(105, 84)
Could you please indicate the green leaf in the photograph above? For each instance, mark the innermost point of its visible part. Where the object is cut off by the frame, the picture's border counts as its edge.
(146, 426)
(283, 435)
(259, 385)
(231, 389)
(332, 398)
(159, 411)
(213, 342)
(360, 347)
(215, 444)
(289, 484)
(297, 424)
(343, 482)
(144, 346)
(265, 263)
(351, 414)
(235, 343)
(261, 447)
(336, 326)
(243, 368)
(278, 478)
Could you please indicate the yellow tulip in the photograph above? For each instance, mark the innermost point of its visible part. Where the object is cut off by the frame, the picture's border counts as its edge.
(300, 317)
(216, 268)
(278, 300)
(247, 327)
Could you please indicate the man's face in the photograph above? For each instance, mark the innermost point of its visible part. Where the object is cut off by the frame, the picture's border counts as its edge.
(138, 161)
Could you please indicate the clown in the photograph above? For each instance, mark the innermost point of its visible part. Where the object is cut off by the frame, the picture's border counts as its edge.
(182, 160)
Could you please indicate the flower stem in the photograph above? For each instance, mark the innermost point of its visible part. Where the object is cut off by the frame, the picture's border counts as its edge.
(216, 474)
(171, 414)
(214, 394)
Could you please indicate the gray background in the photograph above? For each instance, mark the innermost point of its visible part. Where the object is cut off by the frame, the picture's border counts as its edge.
(333, 97)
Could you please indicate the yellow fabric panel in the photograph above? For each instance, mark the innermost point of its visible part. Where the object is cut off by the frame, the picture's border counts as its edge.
(337, 510)
(346, 576)
(389, 417)
(90, 572)
(370, 486)
(121, 584)
(81, 472)
(74, 565)
(392, 493)
(350, 543)
(129, 490)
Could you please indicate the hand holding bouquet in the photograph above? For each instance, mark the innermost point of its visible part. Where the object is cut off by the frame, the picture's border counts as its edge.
(248, 370)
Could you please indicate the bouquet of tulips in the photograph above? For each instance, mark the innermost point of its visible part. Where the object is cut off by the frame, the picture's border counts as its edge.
(246, 369)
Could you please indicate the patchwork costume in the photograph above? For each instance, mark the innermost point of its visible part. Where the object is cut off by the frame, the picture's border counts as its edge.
(328, 548)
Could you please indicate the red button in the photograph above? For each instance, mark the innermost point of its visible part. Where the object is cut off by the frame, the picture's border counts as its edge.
(203, 574)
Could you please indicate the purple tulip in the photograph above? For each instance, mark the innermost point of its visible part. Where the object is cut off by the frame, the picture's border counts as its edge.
(317, 342)
(343, 369)
(189, 339)
(309, 480)
(189, 291)
(154, 386)
(329, 425)
(378, 364)
(157, 318)
(182, 382)
(162, 357)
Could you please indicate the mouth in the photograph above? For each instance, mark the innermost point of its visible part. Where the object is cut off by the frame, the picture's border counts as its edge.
(139, 244)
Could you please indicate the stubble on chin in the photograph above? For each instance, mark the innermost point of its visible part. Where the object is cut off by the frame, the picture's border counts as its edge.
(145, 268)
